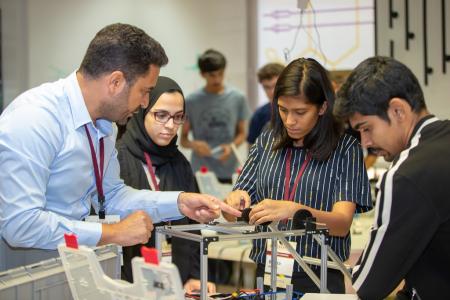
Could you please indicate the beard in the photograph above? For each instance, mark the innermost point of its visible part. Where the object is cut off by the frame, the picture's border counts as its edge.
(380, 152)
(117, 110)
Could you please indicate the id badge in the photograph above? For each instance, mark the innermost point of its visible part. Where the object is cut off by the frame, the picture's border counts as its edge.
(285, 264)
(109, 219)
(166, 251)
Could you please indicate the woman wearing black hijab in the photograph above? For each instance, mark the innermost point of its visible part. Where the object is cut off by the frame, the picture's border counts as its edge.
(149, 159)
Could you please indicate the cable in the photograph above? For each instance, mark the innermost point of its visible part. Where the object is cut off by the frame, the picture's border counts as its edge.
(318, 35)
(286, 51)
(240, 280)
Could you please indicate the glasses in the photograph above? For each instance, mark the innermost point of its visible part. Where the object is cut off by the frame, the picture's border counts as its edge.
(164, 117)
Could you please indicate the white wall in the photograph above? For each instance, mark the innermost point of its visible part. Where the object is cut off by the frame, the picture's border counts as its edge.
(46, 39)
(43, 40)
(437, 94)
(14, 49)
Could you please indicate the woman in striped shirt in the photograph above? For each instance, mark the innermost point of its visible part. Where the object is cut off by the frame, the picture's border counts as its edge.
(304, 161)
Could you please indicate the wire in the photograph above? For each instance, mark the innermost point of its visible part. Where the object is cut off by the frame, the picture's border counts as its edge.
(318, 35)
(287, 52)
(240, 280)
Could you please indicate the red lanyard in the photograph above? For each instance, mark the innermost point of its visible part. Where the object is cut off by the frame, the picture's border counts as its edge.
(287, 178)
(98, 172)
(150, 170)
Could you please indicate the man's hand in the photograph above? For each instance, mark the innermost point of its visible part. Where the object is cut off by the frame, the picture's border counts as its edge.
(201, 148)
(136, 228)
(237, 199)
(226, 152)
(272, 210)
(193, 286)
(203, 208)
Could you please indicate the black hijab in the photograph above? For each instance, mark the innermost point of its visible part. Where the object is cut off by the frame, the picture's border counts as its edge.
(172, 168)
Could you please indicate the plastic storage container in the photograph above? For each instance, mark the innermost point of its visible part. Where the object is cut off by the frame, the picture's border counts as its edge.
(46, 279)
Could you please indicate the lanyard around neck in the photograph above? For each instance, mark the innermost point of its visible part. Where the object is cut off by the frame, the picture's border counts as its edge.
(289, 195)
(150, 170)
(98, 172)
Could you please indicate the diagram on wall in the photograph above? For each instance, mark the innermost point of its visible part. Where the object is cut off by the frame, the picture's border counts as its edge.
(339, 34)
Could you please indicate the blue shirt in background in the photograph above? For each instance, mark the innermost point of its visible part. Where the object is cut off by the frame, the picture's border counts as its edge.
(259, 119)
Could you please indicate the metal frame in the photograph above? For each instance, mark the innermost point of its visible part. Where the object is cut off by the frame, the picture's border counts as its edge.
(238, 231)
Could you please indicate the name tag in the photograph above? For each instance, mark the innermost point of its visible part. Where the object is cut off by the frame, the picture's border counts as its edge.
(285, 264)
(166, 252)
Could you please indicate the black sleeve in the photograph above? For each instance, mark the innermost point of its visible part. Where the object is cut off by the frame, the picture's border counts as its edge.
(191, 254)
(194, 258)
(194, 246)
(405, 222)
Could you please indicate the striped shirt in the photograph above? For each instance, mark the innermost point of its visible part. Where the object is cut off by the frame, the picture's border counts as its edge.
(342, 177)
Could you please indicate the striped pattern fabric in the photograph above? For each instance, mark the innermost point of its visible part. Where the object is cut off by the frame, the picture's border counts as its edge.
(342, 177)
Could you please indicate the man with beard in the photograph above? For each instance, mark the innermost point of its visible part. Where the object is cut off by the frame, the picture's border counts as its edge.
(410, 236)
(58, 157)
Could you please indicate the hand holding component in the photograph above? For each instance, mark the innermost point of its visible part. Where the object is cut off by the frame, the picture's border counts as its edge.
(270, 210)
(226, 152)
(201, 148)
(237, 199)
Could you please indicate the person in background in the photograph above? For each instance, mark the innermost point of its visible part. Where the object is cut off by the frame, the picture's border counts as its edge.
(58, 156)
(304, 161)
(383, 100)
(267, 77)
(121, 128)
(337, 79)
(149, 159)
(217, 116)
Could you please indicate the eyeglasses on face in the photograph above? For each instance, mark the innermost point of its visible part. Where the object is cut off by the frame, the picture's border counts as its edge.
(164, 116)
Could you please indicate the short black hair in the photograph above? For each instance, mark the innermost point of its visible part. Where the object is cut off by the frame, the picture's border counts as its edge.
(306, 77)
(270, 70)
(125, 48)
(373, 83)
(211, 60)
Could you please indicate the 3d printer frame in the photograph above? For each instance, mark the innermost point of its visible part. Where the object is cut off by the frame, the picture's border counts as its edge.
(239, 231)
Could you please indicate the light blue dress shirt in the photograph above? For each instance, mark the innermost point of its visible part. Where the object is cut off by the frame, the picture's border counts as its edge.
(47, 181)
